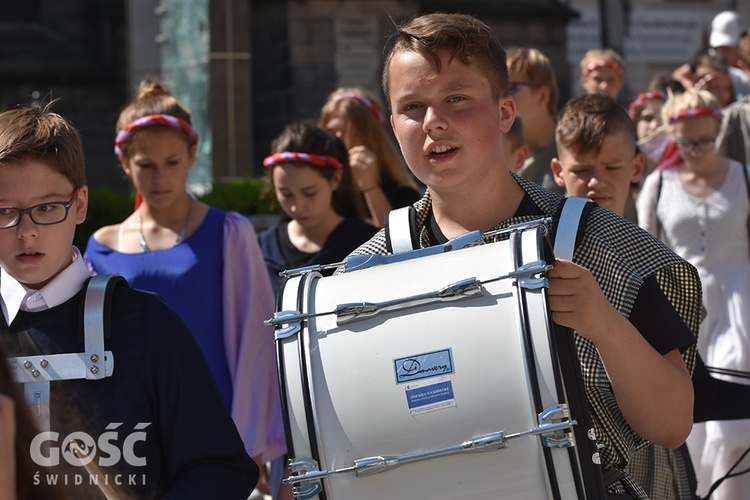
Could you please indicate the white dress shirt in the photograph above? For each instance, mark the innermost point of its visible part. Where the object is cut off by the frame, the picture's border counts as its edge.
(15, 296)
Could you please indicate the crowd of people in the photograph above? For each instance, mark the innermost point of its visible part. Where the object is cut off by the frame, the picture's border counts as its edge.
(481, 142)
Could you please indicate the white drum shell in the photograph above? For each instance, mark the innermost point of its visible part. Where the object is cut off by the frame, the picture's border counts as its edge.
(360, 410)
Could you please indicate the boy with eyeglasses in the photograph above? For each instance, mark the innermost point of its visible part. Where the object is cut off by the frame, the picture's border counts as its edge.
(158, 424)
(533, 86)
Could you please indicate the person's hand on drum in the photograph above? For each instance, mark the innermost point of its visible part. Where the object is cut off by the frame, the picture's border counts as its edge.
(577, 301)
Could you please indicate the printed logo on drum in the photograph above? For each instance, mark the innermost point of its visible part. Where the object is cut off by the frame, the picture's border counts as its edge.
(419, 366)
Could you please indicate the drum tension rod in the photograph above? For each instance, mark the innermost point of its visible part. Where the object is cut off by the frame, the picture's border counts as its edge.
(306, 470)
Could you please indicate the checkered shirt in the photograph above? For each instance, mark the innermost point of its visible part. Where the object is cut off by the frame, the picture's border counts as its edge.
(621, 256)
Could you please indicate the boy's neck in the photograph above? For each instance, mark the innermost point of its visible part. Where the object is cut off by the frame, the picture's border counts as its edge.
(482, 209)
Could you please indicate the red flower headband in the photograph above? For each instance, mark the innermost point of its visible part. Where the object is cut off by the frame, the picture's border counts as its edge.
(291, 157)
(364, 100)
(654, 94)
(124, 135)
(601, 63)
(709, 78)
(695, 113)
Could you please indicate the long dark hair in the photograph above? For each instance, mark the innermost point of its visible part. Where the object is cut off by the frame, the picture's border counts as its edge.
(305, 136)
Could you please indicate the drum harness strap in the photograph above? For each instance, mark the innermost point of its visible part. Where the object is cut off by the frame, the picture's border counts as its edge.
(565, 243)
(36, 372)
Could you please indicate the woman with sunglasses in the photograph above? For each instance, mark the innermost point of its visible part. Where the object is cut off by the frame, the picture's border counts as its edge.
(699, 207)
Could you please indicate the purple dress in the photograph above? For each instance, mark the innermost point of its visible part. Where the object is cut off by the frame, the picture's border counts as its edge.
(189, 278)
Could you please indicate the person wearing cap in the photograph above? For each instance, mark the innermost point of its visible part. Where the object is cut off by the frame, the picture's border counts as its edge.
(727, 28)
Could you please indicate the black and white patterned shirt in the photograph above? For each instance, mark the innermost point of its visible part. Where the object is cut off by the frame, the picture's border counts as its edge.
(623, 259)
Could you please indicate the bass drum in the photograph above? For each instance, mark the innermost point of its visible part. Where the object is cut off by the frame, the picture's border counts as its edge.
(431, 374)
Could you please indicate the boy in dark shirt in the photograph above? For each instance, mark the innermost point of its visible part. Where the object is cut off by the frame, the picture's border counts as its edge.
(155, 427)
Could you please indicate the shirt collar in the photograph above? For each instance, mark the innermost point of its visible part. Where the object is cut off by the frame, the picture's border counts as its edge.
(64, 286)
(544, 199)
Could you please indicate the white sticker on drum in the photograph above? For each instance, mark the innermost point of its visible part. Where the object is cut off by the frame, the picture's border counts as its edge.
(436, 394)
(425, 365)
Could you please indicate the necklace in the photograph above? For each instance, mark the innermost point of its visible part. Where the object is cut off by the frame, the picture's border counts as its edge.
(180, 235)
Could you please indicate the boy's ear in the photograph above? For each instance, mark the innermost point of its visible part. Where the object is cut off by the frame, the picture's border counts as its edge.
(556, 167)
(639, 166)
(82, 204)
(507, 113)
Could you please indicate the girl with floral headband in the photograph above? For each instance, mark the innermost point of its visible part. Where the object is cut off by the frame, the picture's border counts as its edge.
(204, 262)
(717, 82)
(602, 72)
(379, 172)
(700, 208)
(309, 171)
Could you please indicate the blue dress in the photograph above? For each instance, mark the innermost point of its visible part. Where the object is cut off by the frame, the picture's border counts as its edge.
(189, 279)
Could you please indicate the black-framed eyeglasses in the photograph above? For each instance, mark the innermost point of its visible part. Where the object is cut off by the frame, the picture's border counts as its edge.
(702, 145)
(44, 214)
(515, 86)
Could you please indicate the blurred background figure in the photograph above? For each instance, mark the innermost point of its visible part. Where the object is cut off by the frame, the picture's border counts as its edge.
(727, 29)
(645, 111)
(602, 72)
(734, 136)
(712, 74)
(533, 86)
(700, 208)
(516, 150)
(379, 172)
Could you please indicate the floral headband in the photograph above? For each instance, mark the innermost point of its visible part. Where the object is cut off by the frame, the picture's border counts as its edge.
(364, 100)
(695, 113)
(655, 94)
(709, 78)
(601, 63)
(291, 157)
(127, 132)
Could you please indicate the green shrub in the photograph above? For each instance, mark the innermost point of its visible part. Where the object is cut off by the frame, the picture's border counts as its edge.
(248, 196)
(106, 207)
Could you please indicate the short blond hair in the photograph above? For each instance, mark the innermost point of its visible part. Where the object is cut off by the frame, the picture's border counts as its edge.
(685, 101)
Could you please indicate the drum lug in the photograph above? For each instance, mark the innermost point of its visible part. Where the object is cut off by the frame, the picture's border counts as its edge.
(291, 319)
(559, 438)
(300, 468)
(533, 282)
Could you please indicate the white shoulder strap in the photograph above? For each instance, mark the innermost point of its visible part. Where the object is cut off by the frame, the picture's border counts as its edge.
(567, 227)
(93, 324)
(399, 230)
